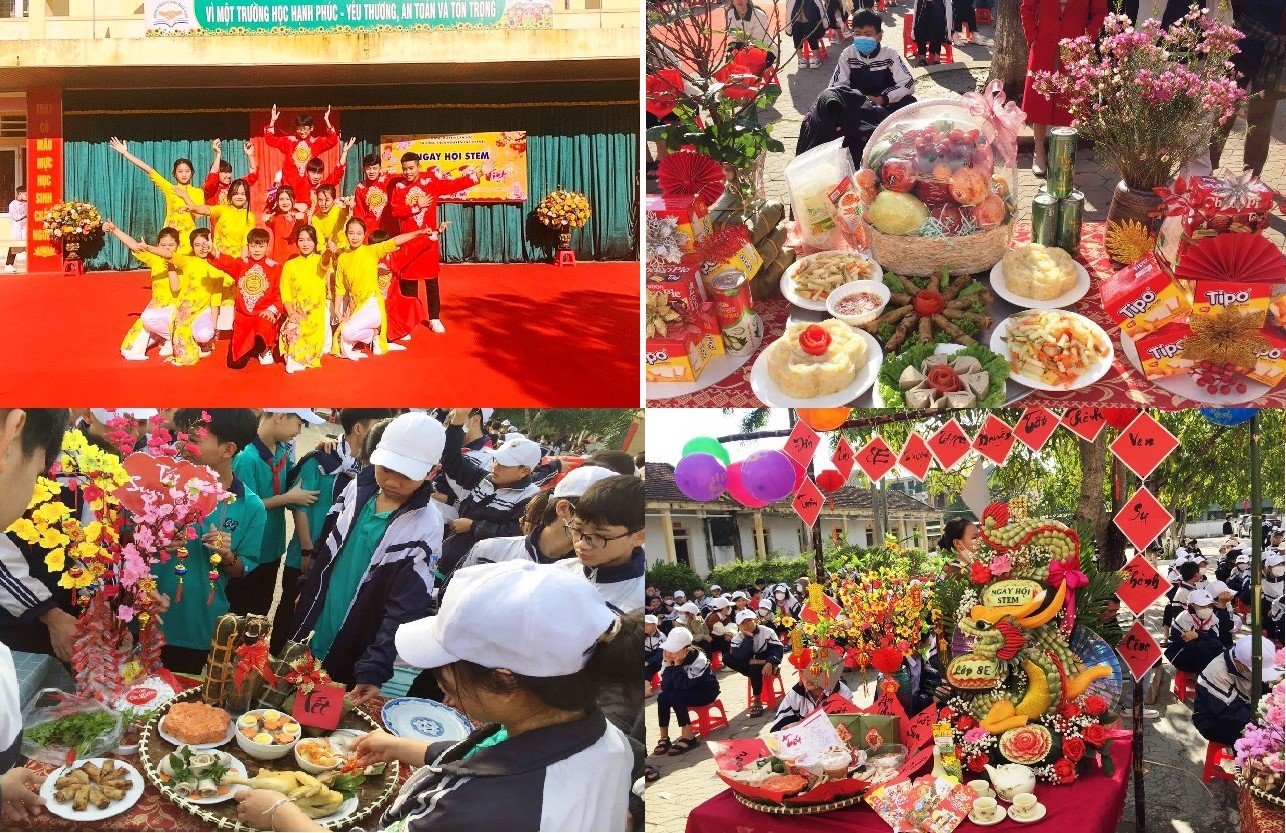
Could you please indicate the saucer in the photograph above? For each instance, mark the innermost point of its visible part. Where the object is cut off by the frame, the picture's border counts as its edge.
(997, 816)
(1038, 813)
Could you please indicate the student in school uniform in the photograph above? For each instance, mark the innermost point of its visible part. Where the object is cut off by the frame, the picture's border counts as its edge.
(1221, 708)
(17, 226)
(686, 681)
(607, 534)
(263, 466)
(1194, 635)
(720, 625)
(1229, 622)
(233, 531)
(806, 696)
(326, 470)
(498, 493)
(689, 616)
(1188, 574)
(755, 651)
(374, 565)
(1273, 590)
(1239, 577)
(919, 681)
(652, 639)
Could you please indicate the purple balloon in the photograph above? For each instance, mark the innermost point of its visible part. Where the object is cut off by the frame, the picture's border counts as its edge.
(737, 488)
(769, 475)
(701, 477)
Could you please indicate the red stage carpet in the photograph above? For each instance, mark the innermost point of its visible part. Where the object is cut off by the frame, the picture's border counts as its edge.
(517, 336)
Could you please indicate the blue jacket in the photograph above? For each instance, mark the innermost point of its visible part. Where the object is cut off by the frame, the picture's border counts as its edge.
(1221, 707)
(694, 677)
(397, 587)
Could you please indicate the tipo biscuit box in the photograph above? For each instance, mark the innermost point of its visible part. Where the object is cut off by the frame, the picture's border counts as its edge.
(1270, 363)
(1216, 297)
(691, 216)
(1161, 351)
(1143, 297)
(683, 353)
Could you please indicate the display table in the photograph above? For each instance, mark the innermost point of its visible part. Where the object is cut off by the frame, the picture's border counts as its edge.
(1257, 815)
(1091, 805)
(1123, 386)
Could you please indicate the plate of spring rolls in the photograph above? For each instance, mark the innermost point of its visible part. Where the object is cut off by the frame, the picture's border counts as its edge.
(92, 789)
(197, 774)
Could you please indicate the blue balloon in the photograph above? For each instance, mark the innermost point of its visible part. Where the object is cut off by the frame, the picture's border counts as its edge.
(1228, 416)
(702, 477)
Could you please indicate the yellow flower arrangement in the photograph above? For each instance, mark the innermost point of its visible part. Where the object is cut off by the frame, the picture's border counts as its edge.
(563, 209)
(66, 218)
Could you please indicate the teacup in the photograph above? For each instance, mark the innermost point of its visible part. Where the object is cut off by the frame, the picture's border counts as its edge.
(984, 808)
(981, 788)
(1024, 804)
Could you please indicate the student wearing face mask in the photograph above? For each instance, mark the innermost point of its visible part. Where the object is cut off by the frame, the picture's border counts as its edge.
(1274, 595)
(1185, 583)
(1229, 622)
(1194, 634)
(1239, 578)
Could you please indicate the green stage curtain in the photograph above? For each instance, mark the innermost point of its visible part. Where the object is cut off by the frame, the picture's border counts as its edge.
(591, 148)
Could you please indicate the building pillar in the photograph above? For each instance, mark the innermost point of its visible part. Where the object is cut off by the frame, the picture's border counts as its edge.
(667, 533)
(761, 547)
(924, 533)
(844, 518)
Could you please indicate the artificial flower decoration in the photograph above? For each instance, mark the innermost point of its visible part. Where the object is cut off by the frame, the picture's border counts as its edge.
(72, 218)
(563, 209)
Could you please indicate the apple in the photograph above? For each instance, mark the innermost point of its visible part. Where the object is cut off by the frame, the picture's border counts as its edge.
(968, 186)
(898, 174)
(949, 216)
(990, 212)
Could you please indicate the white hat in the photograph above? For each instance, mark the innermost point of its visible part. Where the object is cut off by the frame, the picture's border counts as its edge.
(306, 414)
(1267, 652)
(518, 452)
(1243, 559)
(764, 604)
(678, 639)
(746, 616)
(106, 415)
(580, 479)
(506, 422)
(1274, 559)
(679, 594)
(720, 603)
(1200, 598)
(411, 445)
(649, 619)
(1216, 589)
(715, 587)
(515, 614)
(738, 594)
(690, 607)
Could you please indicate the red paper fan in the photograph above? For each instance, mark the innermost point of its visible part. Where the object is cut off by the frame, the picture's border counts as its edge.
(686, 173)
(1240, 257)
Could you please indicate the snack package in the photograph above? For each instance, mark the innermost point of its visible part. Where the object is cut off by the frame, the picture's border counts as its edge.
(1143, 297)
(58, 726)
(727, 248)
(1211, 205)
(1161, 351)
(1209, 296)
(681, 281)
(810, 177)
(1270, 363)
(684, 221)
(683, 353)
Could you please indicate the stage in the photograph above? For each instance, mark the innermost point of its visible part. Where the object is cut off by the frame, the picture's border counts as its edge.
(518, 335)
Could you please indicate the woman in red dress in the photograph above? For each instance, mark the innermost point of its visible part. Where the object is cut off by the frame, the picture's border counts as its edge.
(1045, 23)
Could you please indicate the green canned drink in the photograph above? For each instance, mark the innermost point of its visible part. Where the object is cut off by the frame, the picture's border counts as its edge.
(1044, 220)
(1070, 210)
(1060, 174)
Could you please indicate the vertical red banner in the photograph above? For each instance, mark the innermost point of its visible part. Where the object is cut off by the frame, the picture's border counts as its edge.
(44, 175)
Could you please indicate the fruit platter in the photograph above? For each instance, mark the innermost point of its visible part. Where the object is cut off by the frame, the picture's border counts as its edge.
(329, 782)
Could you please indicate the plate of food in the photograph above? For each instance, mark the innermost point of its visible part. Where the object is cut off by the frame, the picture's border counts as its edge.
(413, 717)
(932, 310)
(326, 798)
(1053, 350)
(1039, 277)
(823, 364)
(92, 790)
(942, 376)
(197, 725)
(197, 774)
(810, 280)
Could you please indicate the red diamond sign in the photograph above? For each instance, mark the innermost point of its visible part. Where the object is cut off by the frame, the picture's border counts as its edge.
(808, 502)
(1035, 427)
(1141, 585)
(916, 457)
(995, 439)
(843, 458)
(1139, 650)
(802, 443)
(1086, 423)
(949, 444)
(1142, 518)
(876, 459)
(1143, 445)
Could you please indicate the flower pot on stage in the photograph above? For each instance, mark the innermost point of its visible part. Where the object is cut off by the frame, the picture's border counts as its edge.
(565, 256)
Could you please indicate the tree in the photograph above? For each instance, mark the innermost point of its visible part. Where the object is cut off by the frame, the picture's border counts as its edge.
(1009, 52)
(609, 424)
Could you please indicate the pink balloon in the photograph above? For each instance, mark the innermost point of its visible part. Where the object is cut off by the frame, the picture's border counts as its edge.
(768, 475)
(737, 489)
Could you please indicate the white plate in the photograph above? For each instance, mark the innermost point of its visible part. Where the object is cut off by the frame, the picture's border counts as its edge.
(233, 766)
(131, 797)
(772, 395)
(1036, 816)
(412, 717)
(1095, 371)
(160, 730)
(996, 818)
(788, 282)
(1068, 298)
(347, 807)
(1184, 385)
(719, 368)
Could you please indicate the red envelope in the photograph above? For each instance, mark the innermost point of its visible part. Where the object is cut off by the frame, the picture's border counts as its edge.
(735, 755)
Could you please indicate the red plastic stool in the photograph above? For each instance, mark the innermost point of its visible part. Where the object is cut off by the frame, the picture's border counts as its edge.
(705, 721)
(716, 660)
(983, 16)
(771, 692)
(910, 50)
(1185, 684)
(656, 682)
(1216, 753)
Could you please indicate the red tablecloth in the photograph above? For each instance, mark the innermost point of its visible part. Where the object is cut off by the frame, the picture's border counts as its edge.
(1123, 386)
(1258, 816)
(1092, 805)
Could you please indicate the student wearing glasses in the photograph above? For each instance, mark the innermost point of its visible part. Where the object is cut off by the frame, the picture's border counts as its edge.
(607, 535)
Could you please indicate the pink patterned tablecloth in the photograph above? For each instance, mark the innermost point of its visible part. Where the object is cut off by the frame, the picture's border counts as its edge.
(1123, 386)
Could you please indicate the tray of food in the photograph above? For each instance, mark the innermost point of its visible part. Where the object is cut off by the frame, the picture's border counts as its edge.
(189, 764)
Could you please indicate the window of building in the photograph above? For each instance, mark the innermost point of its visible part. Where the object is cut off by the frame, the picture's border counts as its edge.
(13, 8)
(682, 552)
(13, 125)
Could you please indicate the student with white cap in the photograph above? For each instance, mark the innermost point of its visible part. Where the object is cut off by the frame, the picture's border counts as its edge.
(1194, 634)
(264, 468)
(1229, 622)
(375, 567)
(1239, 578)
(687, 681)
(755, 651)
(652, 639)
(498, 492)
(1189, 573)
(1222, 709)
(519, 649)
(720, 625)
(1273, 585)
(689, 616)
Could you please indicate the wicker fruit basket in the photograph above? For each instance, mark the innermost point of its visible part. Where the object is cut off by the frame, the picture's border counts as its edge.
(923, 256)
